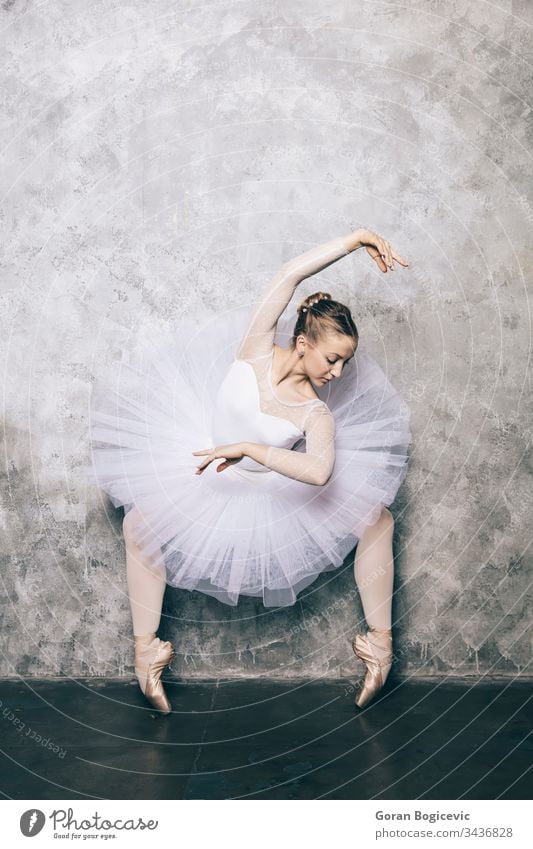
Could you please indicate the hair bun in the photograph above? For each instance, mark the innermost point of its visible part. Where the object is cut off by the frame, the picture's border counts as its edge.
(311, 300)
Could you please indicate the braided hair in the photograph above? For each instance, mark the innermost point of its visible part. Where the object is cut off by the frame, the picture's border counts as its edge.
(318, 314)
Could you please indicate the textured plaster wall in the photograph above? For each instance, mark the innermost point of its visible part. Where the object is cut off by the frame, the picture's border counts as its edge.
(164, 158)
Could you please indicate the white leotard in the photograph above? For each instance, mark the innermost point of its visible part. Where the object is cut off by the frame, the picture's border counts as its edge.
(248, 408)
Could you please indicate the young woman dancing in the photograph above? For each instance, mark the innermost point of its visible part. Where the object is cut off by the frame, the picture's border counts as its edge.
(312, 441)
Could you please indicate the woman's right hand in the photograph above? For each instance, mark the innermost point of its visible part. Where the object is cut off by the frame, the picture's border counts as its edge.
(380, 250)
(231, 454)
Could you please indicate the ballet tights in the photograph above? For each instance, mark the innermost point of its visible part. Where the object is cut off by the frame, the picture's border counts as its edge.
(146, 579)
(146, 588)
(374, 577)
(373, 573)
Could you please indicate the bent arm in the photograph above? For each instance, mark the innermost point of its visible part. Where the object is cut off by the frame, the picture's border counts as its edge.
(316, 465)
(259, 337)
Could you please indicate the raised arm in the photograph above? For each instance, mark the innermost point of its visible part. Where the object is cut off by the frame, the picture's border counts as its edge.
(259, 337)
(316, 464)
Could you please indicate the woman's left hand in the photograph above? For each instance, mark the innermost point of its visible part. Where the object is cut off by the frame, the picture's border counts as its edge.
(230, 453)
(381, 251)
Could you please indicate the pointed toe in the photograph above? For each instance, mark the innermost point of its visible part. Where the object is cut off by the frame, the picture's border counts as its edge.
(151, 675)
(374, 680)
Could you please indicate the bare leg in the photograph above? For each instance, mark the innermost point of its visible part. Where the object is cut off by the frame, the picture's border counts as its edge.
(374, 577)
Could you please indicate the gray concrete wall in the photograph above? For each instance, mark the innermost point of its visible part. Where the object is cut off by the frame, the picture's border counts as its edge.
(165, 157)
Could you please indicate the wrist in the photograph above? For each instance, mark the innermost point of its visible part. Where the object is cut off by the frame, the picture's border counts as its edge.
(255, 451)
(354, 240)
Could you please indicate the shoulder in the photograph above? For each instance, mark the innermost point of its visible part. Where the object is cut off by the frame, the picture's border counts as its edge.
(319, 414)
(251, 360)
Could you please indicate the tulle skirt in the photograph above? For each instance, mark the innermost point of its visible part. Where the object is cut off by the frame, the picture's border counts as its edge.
(234, 533)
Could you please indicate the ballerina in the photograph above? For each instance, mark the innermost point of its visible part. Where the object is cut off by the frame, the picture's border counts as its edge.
(312, 440)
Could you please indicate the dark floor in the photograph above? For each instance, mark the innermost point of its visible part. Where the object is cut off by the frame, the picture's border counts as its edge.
(266, 739)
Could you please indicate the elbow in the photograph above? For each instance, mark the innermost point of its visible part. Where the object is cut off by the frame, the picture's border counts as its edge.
(290, 272)
(320, 473)
(322, 478)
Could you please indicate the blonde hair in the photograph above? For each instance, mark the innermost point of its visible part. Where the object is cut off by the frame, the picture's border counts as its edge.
(318, 314)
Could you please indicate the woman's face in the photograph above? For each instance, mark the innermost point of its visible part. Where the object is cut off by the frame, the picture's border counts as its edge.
(325, 360)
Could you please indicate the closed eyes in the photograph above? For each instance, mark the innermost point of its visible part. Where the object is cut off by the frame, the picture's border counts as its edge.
(332, 362)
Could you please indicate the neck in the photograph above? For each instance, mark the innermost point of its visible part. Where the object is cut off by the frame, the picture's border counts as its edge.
(290, 365)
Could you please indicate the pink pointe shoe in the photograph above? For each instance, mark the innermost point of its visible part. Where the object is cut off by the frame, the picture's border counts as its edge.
(151, 657)
(374, 678)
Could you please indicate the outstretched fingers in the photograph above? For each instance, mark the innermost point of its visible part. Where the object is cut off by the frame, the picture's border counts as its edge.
(384, 256)
(386, 252)
(400, 259)
(376, 256)
(209, 459)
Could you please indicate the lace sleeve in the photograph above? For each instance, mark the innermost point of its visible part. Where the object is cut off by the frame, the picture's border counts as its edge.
(316, 464)
(259, 337)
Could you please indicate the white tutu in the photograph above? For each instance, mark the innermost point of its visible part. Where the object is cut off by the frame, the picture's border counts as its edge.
(234, 533)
